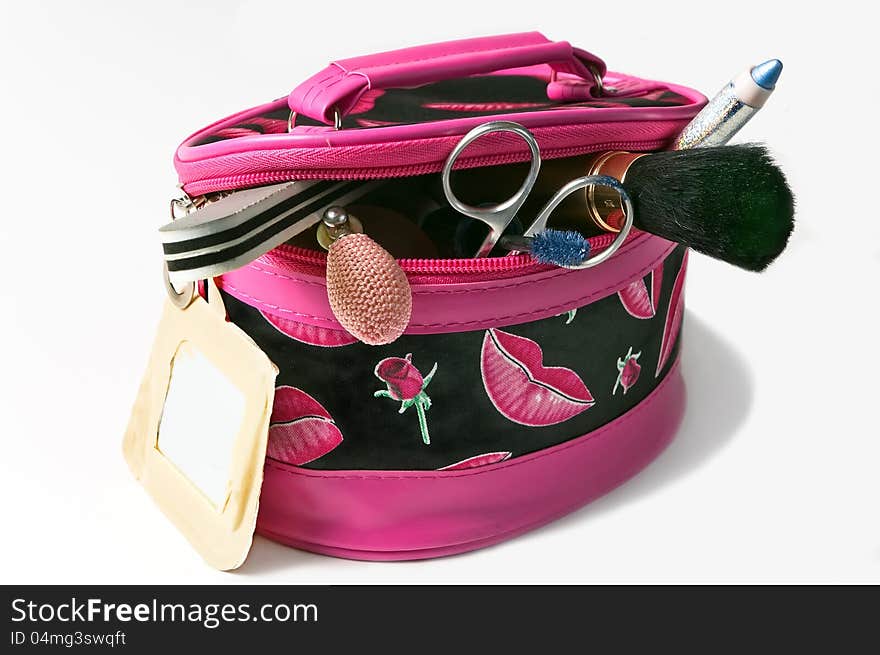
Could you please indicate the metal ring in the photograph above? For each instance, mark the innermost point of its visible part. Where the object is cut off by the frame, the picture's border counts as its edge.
(180, 299)
(337, 120)
(599, 84)
(599, 88)
(577, 184)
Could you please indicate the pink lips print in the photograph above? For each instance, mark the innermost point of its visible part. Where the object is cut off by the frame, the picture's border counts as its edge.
(478, 460)
(300, 429)
(310, 334)
(636, 299)
(369, 122)
(482, 106)
(523, 389)
(673, 315)
(366, 102)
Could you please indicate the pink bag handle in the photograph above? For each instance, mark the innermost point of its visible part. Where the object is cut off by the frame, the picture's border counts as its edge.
(330, 94)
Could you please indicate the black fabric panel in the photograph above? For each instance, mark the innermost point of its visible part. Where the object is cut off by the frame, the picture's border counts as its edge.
(462, 420)
(461, 98)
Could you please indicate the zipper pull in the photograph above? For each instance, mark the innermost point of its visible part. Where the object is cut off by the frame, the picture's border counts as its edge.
(182, 205)
(187, 204)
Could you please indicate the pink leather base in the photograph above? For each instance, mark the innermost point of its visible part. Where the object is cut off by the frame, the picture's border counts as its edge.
(404, 515)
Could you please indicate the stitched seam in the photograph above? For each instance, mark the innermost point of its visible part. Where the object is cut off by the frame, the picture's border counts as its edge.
(482, 321)
(583, 299)
(366, 77)
(286, 277)
(321, 92)
(316, 92)
(225, 285)
(514, 285)
(631, 414)
(304, 94)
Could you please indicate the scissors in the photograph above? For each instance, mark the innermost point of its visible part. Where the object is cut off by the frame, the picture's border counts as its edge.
(499, 217)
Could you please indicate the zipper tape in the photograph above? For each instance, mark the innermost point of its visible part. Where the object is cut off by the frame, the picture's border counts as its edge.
(233, 231)
(236, 229)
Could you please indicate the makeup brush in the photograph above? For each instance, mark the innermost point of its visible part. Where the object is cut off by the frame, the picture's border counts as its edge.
(729, 202)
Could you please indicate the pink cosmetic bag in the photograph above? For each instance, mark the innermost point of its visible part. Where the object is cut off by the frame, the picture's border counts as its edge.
(519, 391)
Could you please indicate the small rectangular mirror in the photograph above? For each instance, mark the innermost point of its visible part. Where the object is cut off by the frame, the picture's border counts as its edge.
(197, 435)
(200, 420)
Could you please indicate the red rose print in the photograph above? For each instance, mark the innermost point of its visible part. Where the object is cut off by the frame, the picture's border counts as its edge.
(406, 384)
(629, 371)
(403, 379)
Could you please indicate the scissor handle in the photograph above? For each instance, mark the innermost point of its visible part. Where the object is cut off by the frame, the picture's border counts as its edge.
(497, 217)
(577, 184)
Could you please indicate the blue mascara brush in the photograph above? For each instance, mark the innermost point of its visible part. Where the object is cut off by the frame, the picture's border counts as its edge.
(561, 248)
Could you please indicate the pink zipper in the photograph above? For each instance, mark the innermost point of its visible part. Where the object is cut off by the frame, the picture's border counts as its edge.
(232, 182)
(405, 150)
(292, 259)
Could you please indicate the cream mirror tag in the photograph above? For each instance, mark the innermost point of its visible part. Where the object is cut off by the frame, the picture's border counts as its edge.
(197, 435)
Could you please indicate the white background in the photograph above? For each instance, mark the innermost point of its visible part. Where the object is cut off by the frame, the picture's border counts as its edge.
(774, 476)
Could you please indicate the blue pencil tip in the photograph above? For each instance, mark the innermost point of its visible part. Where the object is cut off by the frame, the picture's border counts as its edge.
(766, 74)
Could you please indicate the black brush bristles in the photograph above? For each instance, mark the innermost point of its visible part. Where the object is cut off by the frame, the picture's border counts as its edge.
(728, 202)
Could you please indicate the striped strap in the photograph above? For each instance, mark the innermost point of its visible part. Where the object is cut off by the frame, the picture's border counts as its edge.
(235, 230)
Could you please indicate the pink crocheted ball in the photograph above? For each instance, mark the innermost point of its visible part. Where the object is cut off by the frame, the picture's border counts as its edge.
(368, 292)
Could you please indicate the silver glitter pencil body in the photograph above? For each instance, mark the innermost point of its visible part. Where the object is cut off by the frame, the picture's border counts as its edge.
(731, 108)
